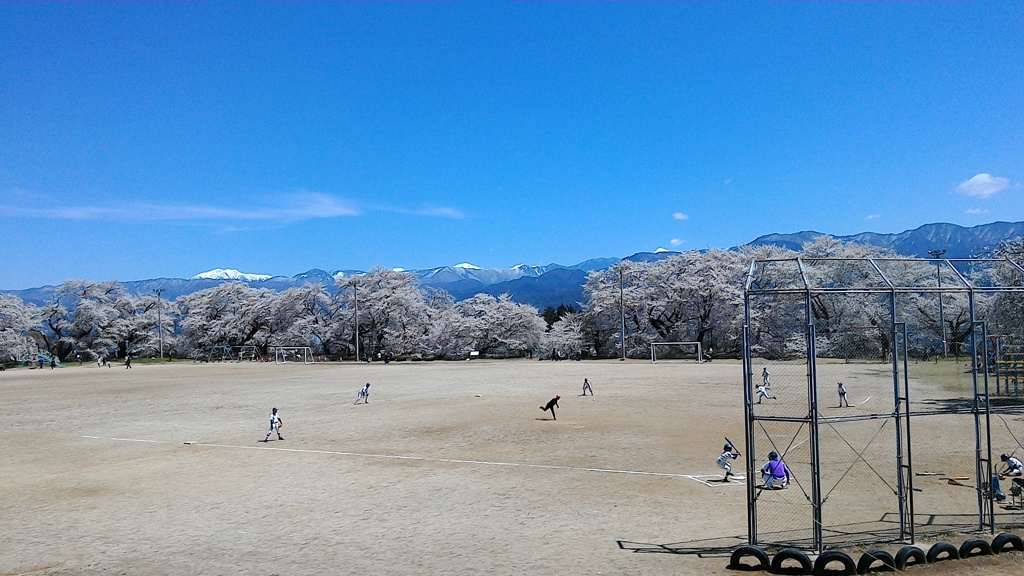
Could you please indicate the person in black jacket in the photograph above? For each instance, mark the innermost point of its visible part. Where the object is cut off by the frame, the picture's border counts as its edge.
(551, 405)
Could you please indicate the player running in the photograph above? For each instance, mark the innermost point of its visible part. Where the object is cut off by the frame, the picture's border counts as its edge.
(762, 393)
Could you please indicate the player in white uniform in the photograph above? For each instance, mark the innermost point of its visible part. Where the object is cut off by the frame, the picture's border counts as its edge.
(725, 461)
(762, 393)
(363, 394)
(586, 386)
(275, 425)
(1013, 466)
(842, 396)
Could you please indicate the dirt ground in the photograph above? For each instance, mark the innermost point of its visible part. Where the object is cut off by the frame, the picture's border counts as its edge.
(451, 468)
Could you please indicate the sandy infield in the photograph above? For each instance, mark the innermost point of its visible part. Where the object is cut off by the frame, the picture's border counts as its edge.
(450, 469)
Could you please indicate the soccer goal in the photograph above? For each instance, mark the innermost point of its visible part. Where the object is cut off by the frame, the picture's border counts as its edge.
(676, 350)
(285, 354)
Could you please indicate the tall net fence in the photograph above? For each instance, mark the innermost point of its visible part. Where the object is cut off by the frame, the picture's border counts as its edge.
(875, 381)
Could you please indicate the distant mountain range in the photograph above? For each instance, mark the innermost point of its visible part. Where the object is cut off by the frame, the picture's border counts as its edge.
(555, 284)
(959, 242)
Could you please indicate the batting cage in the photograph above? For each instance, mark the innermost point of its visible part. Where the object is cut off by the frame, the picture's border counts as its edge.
(884, 387)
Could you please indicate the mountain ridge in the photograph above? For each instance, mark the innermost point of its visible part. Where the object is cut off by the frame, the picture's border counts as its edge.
(554, 284)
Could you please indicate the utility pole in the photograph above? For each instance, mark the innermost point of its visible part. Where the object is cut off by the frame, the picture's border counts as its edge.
(160, 319)
(938, 274)
(355, 298)
(622, 316)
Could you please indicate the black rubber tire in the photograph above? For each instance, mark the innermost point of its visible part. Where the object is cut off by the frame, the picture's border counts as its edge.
(903, 556)
(871, 556)
(1000, 542)
(806, 567)
(828, 557)
(942, 551)
(975, 547)
(745, 551)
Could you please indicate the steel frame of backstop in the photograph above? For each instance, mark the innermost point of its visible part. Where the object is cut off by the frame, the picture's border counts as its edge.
(792, 278)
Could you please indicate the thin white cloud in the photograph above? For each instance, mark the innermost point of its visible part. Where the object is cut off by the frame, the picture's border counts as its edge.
(291, 207)
(676, 241)
(983, 185)
(680, 216)
(279, 209)
(977, 211)
(440, 212)
(873, 216)
(428, 211)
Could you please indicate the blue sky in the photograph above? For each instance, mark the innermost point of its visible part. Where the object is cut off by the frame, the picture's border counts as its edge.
(163, 139)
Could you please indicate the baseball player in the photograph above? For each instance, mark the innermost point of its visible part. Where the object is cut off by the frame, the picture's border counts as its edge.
(1013, 466)
(766, 377)
(275, 425)
(724, 461)
(586, 386)
(775, 473)
(551, 405)
(762, 393)
(842, 396)
(363, 394)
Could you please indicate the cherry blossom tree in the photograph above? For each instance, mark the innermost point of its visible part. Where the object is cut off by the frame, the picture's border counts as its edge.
(78, 318)
(17, 320)
(231, 314)
(392, 312)
(500, 325)
(320, 318)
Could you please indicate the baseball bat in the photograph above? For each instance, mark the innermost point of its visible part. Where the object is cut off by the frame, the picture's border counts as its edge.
(729, 442)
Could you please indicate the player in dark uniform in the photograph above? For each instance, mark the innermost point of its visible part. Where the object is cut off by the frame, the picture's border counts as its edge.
(551, 405)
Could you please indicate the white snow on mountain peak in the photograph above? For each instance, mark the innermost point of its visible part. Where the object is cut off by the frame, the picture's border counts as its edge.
(467, 266)
(222, 274)
(661, 250)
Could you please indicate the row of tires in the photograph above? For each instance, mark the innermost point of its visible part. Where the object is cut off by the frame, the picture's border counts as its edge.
(795, 561)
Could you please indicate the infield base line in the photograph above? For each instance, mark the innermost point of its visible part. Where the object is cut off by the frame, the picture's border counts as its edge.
(401, 457)
(715, 480)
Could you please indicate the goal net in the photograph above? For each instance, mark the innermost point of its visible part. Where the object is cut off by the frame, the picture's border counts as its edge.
(676, 351)
(285, 354)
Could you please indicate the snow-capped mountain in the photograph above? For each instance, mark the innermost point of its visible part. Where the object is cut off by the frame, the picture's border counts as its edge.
(222, 274)
(554, 284)
(475, 274)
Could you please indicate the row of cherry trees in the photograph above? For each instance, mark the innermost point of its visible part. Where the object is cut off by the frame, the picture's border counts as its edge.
(690, 297)
(91, 320)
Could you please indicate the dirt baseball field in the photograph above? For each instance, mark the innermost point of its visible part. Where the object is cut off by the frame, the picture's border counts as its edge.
(450, 468)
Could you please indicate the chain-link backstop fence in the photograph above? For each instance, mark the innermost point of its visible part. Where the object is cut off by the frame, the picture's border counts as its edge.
(879, 386)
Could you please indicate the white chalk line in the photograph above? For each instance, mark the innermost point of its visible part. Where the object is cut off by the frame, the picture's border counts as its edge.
(798, 444)
(865, 400)
(736, 480)
(400, 457)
